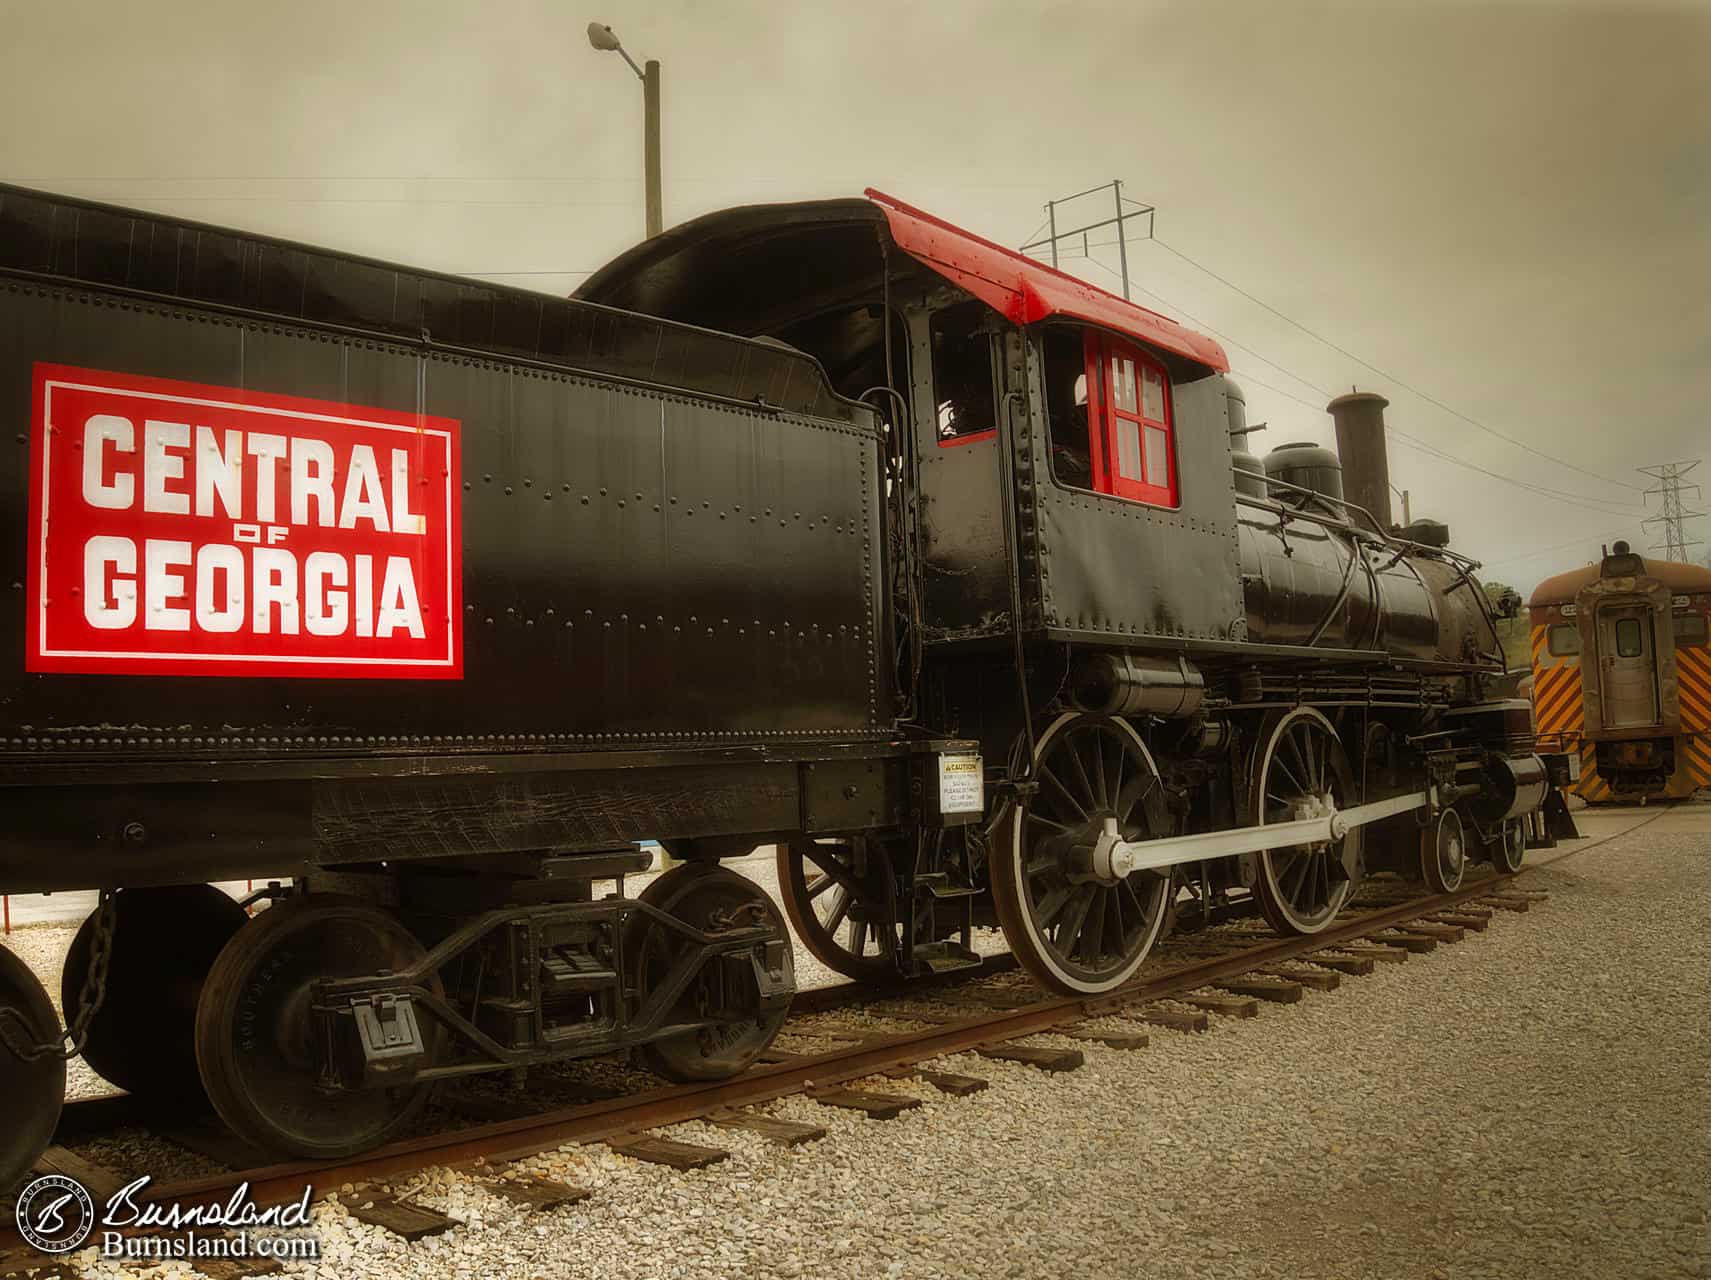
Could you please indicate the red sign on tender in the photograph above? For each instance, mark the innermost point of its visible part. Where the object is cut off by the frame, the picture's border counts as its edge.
(179, 529)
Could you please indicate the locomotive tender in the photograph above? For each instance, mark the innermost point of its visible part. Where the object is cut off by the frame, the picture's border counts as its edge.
(825, 525)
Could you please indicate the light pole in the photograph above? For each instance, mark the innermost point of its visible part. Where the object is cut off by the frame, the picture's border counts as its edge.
(604, 39)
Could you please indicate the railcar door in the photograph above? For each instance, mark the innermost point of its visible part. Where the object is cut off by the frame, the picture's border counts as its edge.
(1628, 667)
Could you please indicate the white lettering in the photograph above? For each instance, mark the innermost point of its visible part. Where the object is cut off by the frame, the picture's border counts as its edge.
(398, 606)
(268, 451)
(219, 610)
(101, 430)
(311, 477)
(161, 463)
(403, 519)
(365, 597)
(325, 612)
(274, 583)
(98, 553)
(219, 472)
(160, 584)
(363, 499)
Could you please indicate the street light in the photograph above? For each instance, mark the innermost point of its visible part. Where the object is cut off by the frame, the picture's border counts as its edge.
(603, 38)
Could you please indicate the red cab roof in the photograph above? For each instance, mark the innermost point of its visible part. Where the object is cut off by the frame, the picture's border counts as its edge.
(1027, 291)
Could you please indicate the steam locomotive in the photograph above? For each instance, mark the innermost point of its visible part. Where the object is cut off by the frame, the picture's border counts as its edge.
(829, 525)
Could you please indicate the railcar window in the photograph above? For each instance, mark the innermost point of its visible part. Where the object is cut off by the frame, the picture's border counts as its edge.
(1564, 640)
(1690, 629)
(962, 374)
(1627, 637)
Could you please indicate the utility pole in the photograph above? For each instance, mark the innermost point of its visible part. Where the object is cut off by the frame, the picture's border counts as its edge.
(603, 38)
(1672, 514)
(1124, 208)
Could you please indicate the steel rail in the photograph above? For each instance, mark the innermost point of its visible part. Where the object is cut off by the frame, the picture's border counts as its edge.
(505, 1140)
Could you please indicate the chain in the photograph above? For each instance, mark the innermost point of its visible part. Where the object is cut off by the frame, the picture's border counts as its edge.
(13, 1028)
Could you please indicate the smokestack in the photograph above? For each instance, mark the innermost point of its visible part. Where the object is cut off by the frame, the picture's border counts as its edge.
(1360, 444)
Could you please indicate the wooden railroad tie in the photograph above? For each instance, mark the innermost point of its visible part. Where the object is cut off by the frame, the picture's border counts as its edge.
(654, 1149)
(1173, 1019)
(98, 1180)
(400, 1217)
(786, 1133)
(1358, 966)
(958, 1086)
(1374, 951)
(1226, 1006)
(1414, 942)
(1313, 979)
(1439, 932)
(871, 1103)
(1261, 987)
(1478, 923)
(536, 1194)
(1503, 902)
(1034, 1056)
(1110, 1039)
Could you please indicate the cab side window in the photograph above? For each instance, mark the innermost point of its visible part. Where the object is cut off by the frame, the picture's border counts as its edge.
(1065, 351)
(1563, 639)
(1112, 426)
(963, 403)
(1134, 427)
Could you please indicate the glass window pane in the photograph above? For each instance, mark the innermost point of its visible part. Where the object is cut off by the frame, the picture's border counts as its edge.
(1152, 394)
(1128, 449)
(1123, 383)
(1564, 639)
(1158, 458)
(1690, 628)
(1628, 638)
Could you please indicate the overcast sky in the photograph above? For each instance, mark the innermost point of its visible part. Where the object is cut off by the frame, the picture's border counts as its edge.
(1506, 207)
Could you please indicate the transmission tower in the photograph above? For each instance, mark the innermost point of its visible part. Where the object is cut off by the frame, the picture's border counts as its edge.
(1672, 516)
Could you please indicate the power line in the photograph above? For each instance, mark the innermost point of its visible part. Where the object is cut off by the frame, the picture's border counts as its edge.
(1606, 505)
(1391, 377)
(1572, 542)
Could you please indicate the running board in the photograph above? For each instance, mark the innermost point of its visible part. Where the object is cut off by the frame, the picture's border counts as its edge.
(1128, 856)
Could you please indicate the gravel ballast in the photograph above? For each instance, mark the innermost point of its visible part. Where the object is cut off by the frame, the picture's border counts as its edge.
(1528, 1102)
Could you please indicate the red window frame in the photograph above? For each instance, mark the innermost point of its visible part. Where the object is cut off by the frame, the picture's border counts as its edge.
(1108, 414)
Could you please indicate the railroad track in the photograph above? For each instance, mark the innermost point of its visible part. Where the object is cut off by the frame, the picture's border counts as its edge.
(1233, 971)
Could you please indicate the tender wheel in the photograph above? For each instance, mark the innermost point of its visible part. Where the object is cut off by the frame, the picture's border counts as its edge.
(34, 1090)
(1071, 922)
(1300, 771)
(1443, 853)
(257, 1039)
(847, 919)
(1509, 850)
(711, 899)
(143, 1035)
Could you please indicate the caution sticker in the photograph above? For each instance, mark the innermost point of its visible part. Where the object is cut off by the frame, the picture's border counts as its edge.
(962, 784)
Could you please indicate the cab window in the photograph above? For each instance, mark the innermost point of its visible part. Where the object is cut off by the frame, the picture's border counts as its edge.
(1563, 639)
(963, 404)
(1112, 426)
(1690, 629)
